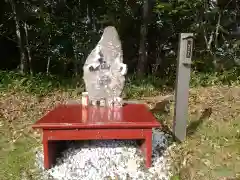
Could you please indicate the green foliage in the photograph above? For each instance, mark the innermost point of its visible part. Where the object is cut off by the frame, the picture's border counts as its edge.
(135, 88)
(62, 33)
(37, 84)
(230, 77)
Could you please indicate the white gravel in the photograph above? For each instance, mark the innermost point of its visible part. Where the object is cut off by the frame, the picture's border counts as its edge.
(112, 160)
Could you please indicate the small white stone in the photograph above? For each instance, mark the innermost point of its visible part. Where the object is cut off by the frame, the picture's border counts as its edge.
(132, 165)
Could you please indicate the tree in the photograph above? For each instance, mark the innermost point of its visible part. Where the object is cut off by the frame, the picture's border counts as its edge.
(23, 61)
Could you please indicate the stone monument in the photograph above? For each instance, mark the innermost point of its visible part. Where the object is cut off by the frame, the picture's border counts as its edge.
(104, 70)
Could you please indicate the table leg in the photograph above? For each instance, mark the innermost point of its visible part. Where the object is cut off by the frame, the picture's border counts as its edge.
(146, 148)
(149, 149)
(49, 148)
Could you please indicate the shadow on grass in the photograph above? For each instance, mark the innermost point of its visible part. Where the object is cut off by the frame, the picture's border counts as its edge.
(193, 126)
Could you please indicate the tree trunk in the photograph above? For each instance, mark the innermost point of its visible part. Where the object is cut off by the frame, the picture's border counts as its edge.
(215, 60)
(91, 16)
(75, 61)
(48, 65)
(49, 56)
(75, 54)
(94, 20)
(23, 62)
(28, 48)
(142, 47)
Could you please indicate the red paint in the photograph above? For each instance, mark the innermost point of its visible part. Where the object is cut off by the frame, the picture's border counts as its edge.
(74, 122)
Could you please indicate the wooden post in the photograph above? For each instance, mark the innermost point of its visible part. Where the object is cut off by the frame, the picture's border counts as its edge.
(182, 85)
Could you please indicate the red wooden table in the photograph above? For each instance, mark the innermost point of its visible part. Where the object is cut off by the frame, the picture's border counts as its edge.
(74, 122)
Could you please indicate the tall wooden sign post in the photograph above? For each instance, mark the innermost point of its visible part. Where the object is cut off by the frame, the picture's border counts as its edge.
(182, 85)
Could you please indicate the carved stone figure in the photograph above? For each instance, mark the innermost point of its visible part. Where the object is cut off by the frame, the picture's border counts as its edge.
(104, 70)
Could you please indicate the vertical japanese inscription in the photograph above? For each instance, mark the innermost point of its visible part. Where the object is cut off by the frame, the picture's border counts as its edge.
(189, 49)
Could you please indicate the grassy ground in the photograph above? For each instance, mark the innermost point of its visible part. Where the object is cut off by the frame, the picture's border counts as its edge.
(212, 148)
(211, 151)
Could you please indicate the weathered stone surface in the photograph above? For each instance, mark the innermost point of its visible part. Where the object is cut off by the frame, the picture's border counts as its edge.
(104, 69)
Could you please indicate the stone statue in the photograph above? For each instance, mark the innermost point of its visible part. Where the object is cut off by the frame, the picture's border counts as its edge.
(104, 70)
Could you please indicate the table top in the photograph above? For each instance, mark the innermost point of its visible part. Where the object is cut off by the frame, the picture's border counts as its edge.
(77, 116)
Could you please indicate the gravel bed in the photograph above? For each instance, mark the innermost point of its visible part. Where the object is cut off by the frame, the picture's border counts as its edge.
(109, 160)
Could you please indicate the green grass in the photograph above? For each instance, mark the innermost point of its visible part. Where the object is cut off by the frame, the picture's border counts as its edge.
(230, 77)
(210, 152)
(213, 151)
(16, 155)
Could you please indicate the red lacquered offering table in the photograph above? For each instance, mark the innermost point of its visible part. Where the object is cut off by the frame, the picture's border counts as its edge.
(76, 122)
